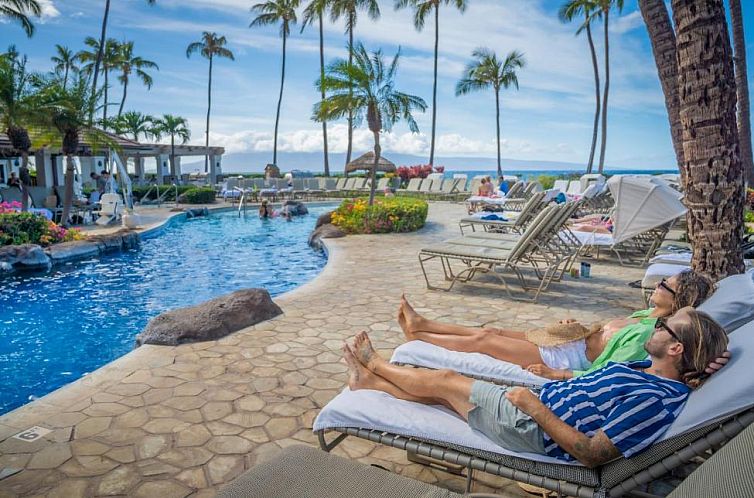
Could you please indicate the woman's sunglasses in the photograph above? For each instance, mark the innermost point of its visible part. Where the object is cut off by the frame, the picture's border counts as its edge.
(664, 284)
(662, 324)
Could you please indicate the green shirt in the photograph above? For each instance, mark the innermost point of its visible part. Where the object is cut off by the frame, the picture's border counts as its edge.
(627, 344)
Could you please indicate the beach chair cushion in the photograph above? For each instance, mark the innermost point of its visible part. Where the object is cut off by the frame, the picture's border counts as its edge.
(594, 239)
(732, 304)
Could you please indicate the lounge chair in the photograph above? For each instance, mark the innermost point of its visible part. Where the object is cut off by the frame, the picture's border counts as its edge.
(636, 250)
(449, 188)
(426, 186)
(111, 209)
(513, 221)
(561, 185)
(714, 413)
(413, 186)
(574, 188)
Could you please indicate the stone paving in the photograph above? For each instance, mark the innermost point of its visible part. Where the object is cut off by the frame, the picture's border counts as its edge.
(182, 421)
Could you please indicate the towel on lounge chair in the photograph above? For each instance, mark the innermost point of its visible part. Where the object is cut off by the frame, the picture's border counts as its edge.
(492, 217)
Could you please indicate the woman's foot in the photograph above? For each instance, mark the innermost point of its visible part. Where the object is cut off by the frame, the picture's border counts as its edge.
(410, 321)
(364, 352)
(358, 376)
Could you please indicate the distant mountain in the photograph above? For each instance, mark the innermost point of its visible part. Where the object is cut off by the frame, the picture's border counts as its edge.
(254, 162)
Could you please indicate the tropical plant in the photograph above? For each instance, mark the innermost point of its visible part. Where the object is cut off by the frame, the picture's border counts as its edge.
(136, 124)
(19, 11)
(316, 10)
(176, 127)
(366, 87)
(487, 71)
(606, 6)
(109, 59)
(273, 12)
(65, 62)
(348, 9)
(422, 9)
(64, 118)
(576, 9)
(128, 64)
(714, 193)
(209, 47)
(742, 88)
(388, 215)
(16, 108)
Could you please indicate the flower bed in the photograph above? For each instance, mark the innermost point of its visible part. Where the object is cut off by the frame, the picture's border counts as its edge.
(387, 215)
(27, 228)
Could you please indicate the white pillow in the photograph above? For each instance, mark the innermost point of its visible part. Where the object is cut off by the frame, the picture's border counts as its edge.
(732, 304)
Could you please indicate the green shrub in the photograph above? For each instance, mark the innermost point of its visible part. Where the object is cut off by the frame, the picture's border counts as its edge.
(547, 181)
(749, 216)
(387, 215)
(27, 228)
(144, 192)
(203, 195)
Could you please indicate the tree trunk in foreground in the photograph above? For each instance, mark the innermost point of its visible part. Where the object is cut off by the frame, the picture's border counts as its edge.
(714, 179)
(277, 114)
(373, 173)
(322, 78)
(68, 195)
(598, 105)
(603, 144)
(434, 87)
(742, 87)
(662, 36)
(209, 108)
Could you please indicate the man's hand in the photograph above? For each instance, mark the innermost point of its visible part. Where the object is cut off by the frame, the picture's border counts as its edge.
(549, 373)
(718, 363)
(523, 399)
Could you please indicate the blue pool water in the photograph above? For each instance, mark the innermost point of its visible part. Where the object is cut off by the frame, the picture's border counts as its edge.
(58, 326)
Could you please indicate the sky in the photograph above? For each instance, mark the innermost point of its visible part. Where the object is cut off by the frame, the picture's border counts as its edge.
(548, 118)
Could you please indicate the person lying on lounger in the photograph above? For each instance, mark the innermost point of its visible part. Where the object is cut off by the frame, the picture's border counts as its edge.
(575, 349)
(621, 409)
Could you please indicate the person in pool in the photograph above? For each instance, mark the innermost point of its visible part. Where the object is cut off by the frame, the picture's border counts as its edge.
(621, 409)
(621, 339)
(265, 211)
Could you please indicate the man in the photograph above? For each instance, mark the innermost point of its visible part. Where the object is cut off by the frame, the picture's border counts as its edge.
(14, 181)
(619, 410)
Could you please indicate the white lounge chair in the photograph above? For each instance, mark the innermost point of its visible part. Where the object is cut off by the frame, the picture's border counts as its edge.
(111, 209)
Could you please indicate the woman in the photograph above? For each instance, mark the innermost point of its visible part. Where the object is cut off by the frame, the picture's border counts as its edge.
(265, 211)
(618, 340)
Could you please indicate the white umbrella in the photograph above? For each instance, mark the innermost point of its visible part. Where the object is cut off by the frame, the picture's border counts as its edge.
(642, 203)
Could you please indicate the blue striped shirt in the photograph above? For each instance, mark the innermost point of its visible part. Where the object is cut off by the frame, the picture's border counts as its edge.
(632, 408)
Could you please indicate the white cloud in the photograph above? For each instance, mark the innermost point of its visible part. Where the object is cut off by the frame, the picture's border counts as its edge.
(627, 23)
(49, 11)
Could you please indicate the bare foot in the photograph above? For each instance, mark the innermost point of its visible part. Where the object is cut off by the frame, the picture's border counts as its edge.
(410, 321)
(358, 376)
(364, 351)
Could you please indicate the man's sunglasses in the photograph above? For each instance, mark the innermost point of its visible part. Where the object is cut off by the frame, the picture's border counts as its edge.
(664, 284)
(662, 324)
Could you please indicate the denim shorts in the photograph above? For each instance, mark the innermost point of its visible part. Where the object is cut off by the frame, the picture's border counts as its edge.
(501, 421)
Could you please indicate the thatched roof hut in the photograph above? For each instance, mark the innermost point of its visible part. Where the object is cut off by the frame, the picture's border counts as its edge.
(366, 162)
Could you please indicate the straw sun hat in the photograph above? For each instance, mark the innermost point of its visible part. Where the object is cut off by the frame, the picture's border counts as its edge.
(560, 333)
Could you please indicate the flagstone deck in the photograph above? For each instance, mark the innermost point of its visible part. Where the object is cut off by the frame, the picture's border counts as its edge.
(182, 421)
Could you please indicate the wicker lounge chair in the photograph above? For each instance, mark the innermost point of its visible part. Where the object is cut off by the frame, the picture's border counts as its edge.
(413, 186)
(516, 223)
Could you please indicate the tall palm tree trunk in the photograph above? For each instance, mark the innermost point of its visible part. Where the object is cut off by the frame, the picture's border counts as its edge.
(173, 169)
(277, 116)
(373, 173)
(603, 145)
(322, 90)
(714, 180)
(123, 100)
(662, 37)
(65, 77)
(497, 123)
(104, 108)
(742, 88)
(350, 113)
(100, 53)
(434, 87)
(596, 126)
(209, 108)
(25, 180)
(68, 192)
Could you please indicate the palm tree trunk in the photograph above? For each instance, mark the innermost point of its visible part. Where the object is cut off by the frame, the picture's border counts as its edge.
(742, 88)
(603, 145)
(24, 177)
(104, 108)
(349, 149)
(68, 195)
(322, 78)
(100, 52)
(65, 77)
(123, 100)
(209, 108)
(497, 123)
(434, 87)
(173, 169)
(277, 115)
(714, 179)
(596, 125)
(373, 173)
(662, 37)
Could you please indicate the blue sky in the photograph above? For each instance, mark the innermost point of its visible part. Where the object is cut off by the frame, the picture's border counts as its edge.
(549, 118)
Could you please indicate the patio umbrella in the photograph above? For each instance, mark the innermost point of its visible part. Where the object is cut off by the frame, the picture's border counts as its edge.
(366, 162)
(641, 204)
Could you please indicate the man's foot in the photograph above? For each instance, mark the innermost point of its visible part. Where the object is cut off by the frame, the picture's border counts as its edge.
(358, 376)
(364, 351)
(409, 320)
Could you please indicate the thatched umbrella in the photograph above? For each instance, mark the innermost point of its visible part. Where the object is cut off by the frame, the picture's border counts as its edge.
(366, 162)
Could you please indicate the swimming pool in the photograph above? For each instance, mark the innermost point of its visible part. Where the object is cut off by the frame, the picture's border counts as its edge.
(58, 326)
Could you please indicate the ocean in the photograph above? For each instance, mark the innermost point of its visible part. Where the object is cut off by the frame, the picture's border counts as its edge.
(534, 173)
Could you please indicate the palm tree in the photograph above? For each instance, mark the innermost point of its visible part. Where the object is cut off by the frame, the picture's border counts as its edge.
(128, 63)
(349, 10)
(316, 10)
(714, 191)
(16, 108)
(487, 71)
(662, 38)
(109, 59)
(273, 12)
(606, 6)
(136, 124)
(588, 10)
(176, 127)
(100, 52)
(19, 11)
(742, 88)
(366, 86)
(422, 9)
(65, 62)
(210, 47)
(65, 113)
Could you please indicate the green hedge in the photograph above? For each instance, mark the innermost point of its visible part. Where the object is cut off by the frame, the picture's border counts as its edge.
(140, 192)
(387, 215)
(198, 195)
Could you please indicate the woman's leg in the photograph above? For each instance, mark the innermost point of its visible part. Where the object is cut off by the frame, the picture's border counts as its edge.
(452, 388)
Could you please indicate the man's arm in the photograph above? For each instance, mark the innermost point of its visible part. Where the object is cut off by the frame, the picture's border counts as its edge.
(590, 451)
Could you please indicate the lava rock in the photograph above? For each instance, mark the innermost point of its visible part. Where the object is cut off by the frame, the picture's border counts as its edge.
(324, 219)
(210, 320)
(24, 257)
(74, 250)
(295, 208)
(328, 231)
